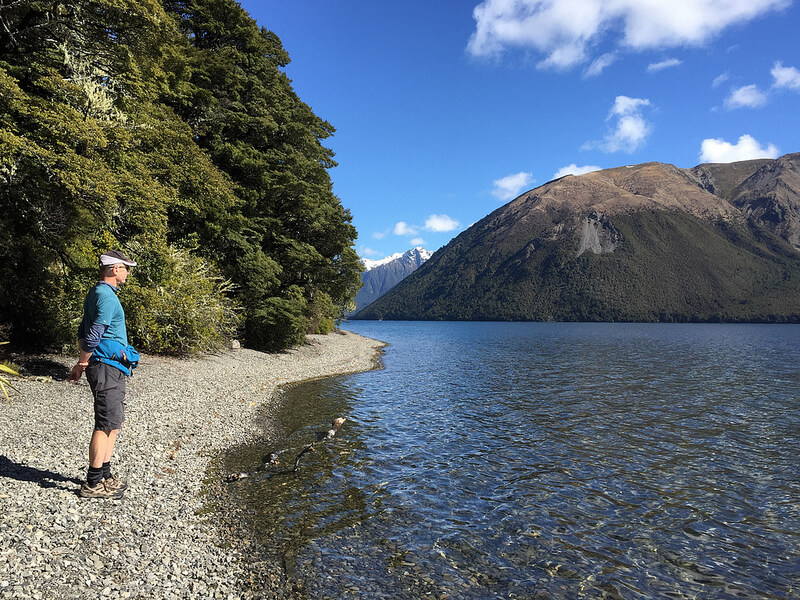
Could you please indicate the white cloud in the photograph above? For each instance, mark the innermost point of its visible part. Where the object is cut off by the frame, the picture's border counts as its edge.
(402, 228)
(631, 129)
(664, 64)
(719, 80)
(440, 223)
(785, 77)
(435, 223)
(599, 64)
(379, 235)
(748, 96)
(367, 251)
(564, 31)
(574, 169)
(747, 148)
(626, 106)
(630, 134)
(511, 186)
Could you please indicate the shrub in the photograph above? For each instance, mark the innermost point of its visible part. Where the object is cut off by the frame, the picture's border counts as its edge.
(321, 312)
(4, 381)
(277, 323)
(178, 305)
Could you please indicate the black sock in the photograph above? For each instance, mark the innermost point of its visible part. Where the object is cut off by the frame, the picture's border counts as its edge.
(106, 470)
(95, 476)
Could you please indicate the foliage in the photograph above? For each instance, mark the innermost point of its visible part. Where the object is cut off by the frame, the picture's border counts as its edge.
(4, 381)
(185, 310)
(170, 128)
(292, 238)
(320, 312)
(277, 322)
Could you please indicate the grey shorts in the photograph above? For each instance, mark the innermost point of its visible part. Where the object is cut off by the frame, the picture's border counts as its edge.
(108, 388)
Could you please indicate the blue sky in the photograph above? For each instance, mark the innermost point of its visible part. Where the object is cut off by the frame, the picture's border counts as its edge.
(446, 109)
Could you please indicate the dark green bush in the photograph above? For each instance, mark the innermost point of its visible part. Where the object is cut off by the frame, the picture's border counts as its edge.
(277, 323)
(320, 314)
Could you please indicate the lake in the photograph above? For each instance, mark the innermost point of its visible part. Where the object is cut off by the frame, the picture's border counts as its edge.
(542, 460)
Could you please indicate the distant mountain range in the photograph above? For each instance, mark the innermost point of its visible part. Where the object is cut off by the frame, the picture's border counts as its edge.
(648, 242)
(382, 275)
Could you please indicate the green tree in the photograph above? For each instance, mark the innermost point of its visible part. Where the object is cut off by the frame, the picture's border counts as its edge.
(168, 128)
(290, 245)
(87, 160)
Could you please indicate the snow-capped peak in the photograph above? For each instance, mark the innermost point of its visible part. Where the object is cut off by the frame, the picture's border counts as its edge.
(371, 264)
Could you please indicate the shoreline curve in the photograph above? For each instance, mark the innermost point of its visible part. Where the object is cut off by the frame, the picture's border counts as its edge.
(161, 540)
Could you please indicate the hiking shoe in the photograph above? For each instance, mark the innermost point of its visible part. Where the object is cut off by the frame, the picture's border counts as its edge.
(115, 484)
(98, 491)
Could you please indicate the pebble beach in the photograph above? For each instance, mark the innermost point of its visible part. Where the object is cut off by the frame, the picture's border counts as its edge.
(165, 538)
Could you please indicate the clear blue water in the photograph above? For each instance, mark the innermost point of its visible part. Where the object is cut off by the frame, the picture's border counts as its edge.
(519, 460)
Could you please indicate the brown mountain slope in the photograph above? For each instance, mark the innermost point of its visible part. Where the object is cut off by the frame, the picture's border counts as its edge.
(579, 208)
(771, 197)
(659, 186)
(722, 178)
(649, 186)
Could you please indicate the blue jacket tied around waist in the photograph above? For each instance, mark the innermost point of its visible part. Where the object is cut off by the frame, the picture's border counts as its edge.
(123, 357)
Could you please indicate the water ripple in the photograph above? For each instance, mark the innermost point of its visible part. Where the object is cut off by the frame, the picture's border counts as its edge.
(569, 461)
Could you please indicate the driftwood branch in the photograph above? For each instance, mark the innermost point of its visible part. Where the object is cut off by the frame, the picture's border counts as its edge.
(309, 448)
(272, 459)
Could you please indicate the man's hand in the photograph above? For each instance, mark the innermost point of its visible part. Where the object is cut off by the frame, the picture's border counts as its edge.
(76, 372)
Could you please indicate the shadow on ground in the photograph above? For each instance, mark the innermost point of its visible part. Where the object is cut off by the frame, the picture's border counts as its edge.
(46, 479)
(42, 367)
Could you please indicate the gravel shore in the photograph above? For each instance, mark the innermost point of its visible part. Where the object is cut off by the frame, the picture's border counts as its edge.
(161, 540)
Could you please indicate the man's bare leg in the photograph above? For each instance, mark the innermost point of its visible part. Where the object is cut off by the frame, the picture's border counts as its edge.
(101, 447)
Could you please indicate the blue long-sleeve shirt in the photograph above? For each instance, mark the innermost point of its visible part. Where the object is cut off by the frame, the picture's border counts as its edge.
(103, 317)
(88, 340)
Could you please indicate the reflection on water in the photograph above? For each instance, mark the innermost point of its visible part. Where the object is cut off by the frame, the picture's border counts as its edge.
(513, 460)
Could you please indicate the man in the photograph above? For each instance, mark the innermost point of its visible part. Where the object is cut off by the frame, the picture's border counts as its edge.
(107, 360)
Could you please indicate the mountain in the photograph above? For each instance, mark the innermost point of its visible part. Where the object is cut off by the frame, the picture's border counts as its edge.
(648, 242)
(380, 276)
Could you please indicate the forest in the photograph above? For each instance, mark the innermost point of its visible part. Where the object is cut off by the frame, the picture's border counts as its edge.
(170, 131)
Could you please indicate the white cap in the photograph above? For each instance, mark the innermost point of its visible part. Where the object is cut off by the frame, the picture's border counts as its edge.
(115, 257)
